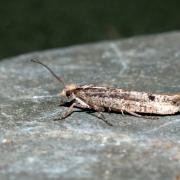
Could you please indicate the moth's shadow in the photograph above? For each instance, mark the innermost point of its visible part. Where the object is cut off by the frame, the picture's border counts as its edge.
(66, 103)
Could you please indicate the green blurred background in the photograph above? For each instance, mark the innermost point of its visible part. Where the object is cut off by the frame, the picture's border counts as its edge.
(31, 25)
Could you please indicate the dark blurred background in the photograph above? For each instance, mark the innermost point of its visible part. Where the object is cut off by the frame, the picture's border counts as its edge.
(30, 25)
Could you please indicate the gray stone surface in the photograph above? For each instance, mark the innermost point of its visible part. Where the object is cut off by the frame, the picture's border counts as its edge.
(33, 146)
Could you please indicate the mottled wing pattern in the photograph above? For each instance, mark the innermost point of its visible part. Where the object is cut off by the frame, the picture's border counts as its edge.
(130, 101)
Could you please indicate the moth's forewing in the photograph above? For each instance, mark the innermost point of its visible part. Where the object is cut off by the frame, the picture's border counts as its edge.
(131, 101)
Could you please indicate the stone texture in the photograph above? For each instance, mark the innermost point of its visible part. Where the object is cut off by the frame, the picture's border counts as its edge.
(33, 146)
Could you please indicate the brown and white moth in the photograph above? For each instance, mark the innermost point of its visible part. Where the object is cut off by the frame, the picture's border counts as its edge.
(109, 99)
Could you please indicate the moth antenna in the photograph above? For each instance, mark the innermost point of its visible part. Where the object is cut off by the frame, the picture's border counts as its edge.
(50, 70)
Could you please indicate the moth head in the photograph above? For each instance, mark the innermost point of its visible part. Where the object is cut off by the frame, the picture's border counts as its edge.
(68, 90)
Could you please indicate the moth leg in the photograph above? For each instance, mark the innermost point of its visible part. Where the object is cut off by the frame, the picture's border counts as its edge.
(65, 114)
(134, 114)
(99, 114)
(122, 112)
(78, 105)
(98, 110)
(81, 104)
(141, 116)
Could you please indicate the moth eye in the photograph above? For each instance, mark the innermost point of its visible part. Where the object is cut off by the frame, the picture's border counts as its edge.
(68, 93)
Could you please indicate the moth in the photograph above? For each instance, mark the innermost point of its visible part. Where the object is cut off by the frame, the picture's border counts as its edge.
(100, 99)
